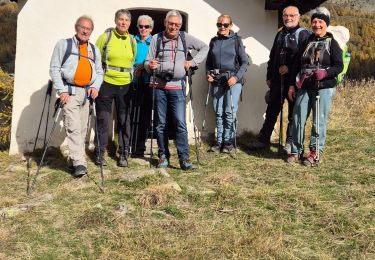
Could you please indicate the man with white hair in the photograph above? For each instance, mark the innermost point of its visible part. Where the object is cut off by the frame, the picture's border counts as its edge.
(76, 72)
(167, 57)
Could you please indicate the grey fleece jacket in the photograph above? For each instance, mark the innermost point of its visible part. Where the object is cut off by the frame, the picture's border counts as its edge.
(222, 55)
(171, 57)
(63, 77)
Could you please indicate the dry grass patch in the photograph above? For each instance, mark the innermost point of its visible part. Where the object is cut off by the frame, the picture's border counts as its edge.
(156, 195)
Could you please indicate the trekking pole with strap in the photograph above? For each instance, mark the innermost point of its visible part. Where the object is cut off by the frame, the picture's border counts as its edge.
(190, 78)
(140, 104)
(317, 105)
(234, 120)
(93, 109)
(56, 114)
(205, 108)
(281, 130)
(48, 94)
(152, 114)
(133, 133)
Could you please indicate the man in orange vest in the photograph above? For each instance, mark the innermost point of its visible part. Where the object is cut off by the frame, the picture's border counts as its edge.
(76, 72)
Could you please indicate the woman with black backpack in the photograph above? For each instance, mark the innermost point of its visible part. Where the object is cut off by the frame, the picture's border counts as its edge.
(226, 65)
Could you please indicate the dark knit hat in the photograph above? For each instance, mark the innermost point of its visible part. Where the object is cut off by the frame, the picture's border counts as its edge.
(321, 16)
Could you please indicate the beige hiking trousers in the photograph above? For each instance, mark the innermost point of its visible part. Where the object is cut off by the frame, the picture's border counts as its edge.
(75, 114)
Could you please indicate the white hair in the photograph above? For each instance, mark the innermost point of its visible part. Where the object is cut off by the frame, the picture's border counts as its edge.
(321, 10)
(147, 18)
(84, 17)
(173, 13)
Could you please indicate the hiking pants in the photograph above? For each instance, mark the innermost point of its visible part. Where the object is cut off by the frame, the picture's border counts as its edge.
(305, 102)
(273, 110)
(75, 116)
(222, 102)
(122, 96)
(173, 102)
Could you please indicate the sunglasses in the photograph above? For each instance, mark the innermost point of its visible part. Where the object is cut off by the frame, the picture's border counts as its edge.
(144, 26)
(225, 25)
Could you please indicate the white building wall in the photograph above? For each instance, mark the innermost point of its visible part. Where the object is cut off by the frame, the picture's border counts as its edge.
(41, 23)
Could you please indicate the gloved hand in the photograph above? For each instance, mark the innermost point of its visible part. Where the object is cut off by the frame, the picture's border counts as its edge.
(320, 74)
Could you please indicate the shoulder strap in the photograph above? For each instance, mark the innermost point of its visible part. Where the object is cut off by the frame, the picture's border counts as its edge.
(93, 50)
(132, 39)
(68, 51)
(158, 43)
(105, 46)
(183, 39)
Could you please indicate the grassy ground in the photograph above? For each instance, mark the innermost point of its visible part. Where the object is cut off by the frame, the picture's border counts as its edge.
(255, 206)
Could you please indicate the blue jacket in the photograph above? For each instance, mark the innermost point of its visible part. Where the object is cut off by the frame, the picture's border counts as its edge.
(222, 55)
(142, 50)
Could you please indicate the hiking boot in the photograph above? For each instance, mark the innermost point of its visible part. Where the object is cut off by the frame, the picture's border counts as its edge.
(257, 145)
(311, 159)
(79, 171)
(293, 158)
(186, 165)
(100, 161)
(288, 148)
(228, 148)
(215, 149)
(122, 161)
(163, 162)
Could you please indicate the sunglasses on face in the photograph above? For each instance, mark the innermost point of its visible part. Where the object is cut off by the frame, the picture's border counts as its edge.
(225, 25)
(144, 26)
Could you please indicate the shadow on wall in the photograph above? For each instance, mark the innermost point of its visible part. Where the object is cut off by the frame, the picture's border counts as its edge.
(34, 111)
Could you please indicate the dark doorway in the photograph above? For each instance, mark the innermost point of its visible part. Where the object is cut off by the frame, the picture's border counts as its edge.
(157, 15)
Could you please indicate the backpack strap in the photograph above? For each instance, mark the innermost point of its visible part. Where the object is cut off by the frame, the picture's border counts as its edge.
(68, 51)
(93, 51)
(158, 43)
(183, 39)
(108, 32)
(160, 39)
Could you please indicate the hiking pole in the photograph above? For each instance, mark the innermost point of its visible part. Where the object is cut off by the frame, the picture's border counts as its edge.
(93, 107)
(282, 62)
(192, 114)
(142, 89)
(234, 120)
(48, 94)
(135, 111)
(205, 108)
(56, 114)
(152, 114)
(317, 105)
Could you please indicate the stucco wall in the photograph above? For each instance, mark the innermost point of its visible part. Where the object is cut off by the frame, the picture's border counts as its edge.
(42, 23)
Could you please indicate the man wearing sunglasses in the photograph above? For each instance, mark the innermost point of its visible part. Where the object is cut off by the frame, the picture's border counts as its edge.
(167, 58)
(287, 43)
(143, 97)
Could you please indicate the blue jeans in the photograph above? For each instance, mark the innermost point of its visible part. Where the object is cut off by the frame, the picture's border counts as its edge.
(174, 102)
(304, 103)
(225, 119)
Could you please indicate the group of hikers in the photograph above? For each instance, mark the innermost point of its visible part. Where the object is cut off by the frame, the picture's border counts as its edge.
(146, 75)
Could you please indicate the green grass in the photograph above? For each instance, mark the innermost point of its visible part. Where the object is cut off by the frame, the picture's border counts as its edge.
(255, 206)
